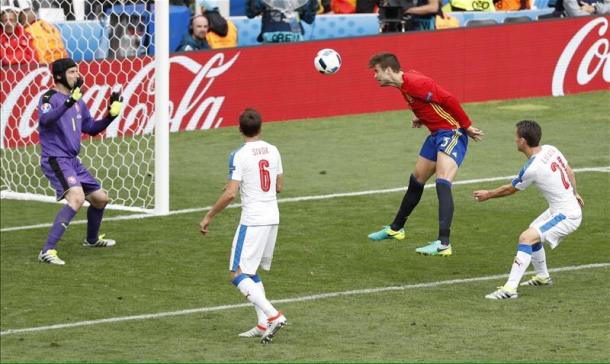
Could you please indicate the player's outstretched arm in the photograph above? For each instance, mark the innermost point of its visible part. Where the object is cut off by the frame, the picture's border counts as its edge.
(230, 192)
(484, 195)
(572, 178)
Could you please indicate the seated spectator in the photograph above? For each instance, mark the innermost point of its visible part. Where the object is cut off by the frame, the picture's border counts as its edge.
(504, 5)
(195, 38)
(46, 38)
(281, 25)
(222, 33)
(584, 8)
(15, 43)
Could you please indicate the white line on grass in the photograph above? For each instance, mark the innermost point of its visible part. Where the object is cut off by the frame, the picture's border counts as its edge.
(286, 300)
(291, 199)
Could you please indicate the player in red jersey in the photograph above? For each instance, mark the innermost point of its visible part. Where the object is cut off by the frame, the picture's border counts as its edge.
(442, 153)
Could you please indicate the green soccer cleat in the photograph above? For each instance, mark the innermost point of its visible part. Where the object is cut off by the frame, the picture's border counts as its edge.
(537, 281)
(101, 242)
(435, 248)
(387, 233)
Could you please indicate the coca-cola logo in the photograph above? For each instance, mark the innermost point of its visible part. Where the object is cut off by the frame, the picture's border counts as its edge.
(196, 108)
(596, 58)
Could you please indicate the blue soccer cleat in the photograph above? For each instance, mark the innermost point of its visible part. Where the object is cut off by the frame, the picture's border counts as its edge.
(387, 233)
(435, 248)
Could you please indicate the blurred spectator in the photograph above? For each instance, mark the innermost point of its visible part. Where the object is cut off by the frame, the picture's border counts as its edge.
(15, 43)
(469, 5)
(222, 33)
(343, 6)
(422, 16)
(282, 24)
(46, 38)
(504, 5)
(323, 6)
(365, 6)
(584, 8)
(195, 38)
(129, 44)
(95, 9)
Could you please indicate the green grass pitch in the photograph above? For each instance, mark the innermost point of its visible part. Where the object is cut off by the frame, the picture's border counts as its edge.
(163, 264)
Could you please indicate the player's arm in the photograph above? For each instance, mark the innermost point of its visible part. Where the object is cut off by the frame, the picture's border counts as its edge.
(279, 183)
(230, 192)
(505, 190)
(572, 178)
(94, 127)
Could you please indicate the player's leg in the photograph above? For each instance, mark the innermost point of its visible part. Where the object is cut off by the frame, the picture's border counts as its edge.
(274, 323)
(542, 277)
(451, 148)
(552, 228)
(98, 200)
(424, 169)
(248, 247)
(62, 177)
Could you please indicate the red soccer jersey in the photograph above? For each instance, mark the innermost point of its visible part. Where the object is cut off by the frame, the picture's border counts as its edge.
(433, 105)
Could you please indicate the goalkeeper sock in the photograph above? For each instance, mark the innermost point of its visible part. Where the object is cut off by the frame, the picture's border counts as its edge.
(445, 209)
(260, 315)
(62, 220)
(539, 260)
(409, 201)
(248, 288)
(522, 261)
(94, 221)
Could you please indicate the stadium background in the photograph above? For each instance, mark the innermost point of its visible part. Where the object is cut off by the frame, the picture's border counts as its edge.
(163, 266)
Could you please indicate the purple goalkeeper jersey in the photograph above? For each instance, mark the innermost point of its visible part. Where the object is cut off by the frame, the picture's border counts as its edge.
(60, 128)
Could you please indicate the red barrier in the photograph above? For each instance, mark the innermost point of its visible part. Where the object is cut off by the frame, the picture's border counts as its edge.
(210, 89)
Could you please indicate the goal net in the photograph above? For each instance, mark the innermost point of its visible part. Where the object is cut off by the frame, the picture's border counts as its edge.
(113, 44)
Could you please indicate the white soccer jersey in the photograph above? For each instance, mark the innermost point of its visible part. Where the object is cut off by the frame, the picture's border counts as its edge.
(256, 166)
(548, 170)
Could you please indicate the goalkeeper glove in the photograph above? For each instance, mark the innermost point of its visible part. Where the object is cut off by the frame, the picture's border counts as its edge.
(75, 93)
(115, 104)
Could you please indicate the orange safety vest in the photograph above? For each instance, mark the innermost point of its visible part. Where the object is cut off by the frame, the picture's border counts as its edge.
(230, 40)
(47, 41)
(505, 5)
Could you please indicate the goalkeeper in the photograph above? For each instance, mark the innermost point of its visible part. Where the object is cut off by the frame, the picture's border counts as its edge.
(63, 118)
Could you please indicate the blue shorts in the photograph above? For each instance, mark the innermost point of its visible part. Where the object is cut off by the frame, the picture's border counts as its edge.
(454, 143)
(65, 173)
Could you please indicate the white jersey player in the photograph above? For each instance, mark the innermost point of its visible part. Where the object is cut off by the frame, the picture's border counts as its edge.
(548, 169)
(255, 171)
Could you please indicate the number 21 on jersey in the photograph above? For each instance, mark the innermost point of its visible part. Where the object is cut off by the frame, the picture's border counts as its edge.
(557, 167)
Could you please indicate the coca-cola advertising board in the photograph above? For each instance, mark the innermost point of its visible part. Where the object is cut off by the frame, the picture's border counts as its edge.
(209, 89)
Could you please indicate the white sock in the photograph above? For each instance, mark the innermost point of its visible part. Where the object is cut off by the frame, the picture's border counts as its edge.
(522, 261)
(255, 295)
(539, 261)
(262, 318)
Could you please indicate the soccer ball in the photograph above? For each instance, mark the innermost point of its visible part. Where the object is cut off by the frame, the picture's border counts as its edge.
(327, 61)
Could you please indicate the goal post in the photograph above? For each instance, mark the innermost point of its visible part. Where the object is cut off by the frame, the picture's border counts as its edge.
(161, 107)
(112, 44)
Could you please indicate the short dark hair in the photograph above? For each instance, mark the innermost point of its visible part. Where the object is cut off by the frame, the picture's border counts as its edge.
(530, 131)
(250, 122)
(385, 60)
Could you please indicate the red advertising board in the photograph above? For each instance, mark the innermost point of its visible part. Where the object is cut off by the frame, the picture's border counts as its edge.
(209, 89)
